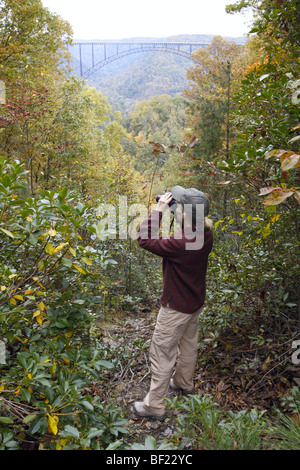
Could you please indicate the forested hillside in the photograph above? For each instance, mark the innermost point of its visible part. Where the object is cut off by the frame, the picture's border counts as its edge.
(140, 76)
(79, 297)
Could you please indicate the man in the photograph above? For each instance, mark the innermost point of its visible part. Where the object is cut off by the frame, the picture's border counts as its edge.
(184, 270)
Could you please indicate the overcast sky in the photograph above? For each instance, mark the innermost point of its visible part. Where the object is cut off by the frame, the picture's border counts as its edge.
(118, 19)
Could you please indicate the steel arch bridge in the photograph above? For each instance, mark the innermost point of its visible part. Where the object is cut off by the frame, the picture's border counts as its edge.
(103, 53)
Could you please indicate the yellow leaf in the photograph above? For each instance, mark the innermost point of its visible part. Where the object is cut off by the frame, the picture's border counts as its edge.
(29, 219)
(42, 306)
(39, 319)
(73, 252)
(29, 376)
(11, 276)
(52, 424)
(79, 269)
(38, 282)
(52, 368)
(13, 301)
(239, 233)
(275, 218)
(278, 153)
(19, 297)
(59, 247)
(52, 233)
(3, 288)
(292, 161)
(267, 190)
(277, 196)
(28, 292)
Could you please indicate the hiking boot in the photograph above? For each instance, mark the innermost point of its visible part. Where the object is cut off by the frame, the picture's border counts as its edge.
(175, 387)
(140, 410)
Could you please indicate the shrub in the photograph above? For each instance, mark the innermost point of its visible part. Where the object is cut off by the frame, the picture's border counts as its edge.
(51, 262)
(204, 425)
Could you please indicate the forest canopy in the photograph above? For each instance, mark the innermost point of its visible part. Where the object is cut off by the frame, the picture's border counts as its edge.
(78, 304)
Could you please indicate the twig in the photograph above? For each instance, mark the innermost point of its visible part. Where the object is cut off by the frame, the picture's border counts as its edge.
(254, 386)
(147, 373)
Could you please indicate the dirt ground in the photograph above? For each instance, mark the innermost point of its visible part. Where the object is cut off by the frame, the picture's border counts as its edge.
(133, 381)
(222, 372)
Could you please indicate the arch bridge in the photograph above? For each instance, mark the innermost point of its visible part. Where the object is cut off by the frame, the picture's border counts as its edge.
(103, 53)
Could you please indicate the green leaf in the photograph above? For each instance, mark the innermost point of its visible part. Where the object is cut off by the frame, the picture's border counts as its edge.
(93, 432)
(66, 262)
(62, 194)
(6, 420)
(150, 443)
(32, 239)
(6, 181)
(29, 418)
(69, 431)
(25, 394)
(107, 364)
(7, 232)
(114, 445)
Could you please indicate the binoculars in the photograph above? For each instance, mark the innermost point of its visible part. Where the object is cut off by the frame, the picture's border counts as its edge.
(171, 203)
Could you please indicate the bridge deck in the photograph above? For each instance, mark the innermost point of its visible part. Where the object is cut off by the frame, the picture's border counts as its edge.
(185, 49)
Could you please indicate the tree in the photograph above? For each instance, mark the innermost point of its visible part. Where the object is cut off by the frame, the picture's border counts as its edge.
(58, 133)
(277, 25)
(28, 34)
(218, 70)
(161, 119)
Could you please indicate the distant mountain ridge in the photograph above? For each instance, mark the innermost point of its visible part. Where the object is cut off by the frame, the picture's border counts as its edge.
(133, 78)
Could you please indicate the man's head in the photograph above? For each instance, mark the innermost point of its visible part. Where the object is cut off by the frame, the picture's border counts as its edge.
(188, 200)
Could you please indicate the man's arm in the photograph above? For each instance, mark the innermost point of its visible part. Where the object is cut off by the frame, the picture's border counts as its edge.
(147, 234)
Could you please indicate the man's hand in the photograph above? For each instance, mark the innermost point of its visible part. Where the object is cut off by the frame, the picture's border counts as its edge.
(163, 203)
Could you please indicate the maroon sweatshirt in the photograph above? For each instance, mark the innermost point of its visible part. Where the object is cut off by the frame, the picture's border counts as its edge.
(184, 270)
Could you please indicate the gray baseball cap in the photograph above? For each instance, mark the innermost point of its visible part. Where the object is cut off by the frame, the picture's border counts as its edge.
(191, 196)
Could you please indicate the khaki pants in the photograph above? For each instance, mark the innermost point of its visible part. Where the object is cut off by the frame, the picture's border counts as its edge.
(175, 337)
